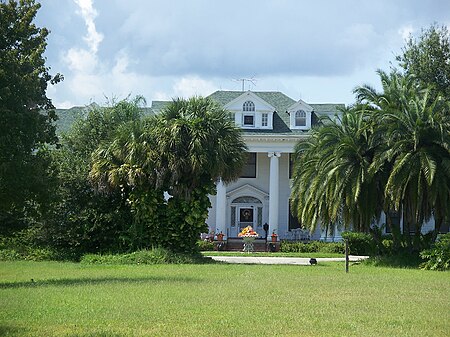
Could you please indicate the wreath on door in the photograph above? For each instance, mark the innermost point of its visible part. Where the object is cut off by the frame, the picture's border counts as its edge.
(246, 214)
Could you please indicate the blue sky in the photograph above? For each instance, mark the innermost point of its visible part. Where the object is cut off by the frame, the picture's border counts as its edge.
(317, 51)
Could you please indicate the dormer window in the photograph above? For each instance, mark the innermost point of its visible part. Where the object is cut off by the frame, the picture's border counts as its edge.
(248, 106)
(251, 112)
(300, 118)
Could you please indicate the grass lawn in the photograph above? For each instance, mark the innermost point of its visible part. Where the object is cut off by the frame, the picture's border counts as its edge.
(276, 254)
(69, 299)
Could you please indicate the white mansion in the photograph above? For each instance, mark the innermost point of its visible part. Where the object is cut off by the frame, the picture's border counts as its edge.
(272, 124)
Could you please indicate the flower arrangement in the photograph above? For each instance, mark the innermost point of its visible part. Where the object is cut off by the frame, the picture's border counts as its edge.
(248, 232)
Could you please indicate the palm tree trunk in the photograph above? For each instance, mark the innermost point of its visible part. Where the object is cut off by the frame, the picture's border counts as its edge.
(395, 230)
(407, 228)
(438, 222)
(417, 236)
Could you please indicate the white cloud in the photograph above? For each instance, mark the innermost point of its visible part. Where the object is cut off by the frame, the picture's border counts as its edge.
(81, 60)
(162, 49)
(93, 38)
(85, 81)
(84, 60)
(122, 62)
(64, 105)
(406, 31)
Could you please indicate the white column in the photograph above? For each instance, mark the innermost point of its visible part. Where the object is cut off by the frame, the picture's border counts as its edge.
(221, 207)
(274, 191)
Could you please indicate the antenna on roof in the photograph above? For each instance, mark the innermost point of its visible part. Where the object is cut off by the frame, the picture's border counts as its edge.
(243, 80)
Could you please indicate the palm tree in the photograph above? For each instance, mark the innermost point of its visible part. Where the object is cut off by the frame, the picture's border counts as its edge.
(332, 181)
(416, 131)
(198, 144)
(127, 163)
(184, 150)
(124, 160)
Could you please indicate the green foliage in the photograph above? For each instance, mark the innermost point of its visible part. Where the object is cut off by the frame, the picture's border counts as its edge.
(186, 220)
(183, 151)
(312, 247)
(205, 245)
(83, 220)
(403, 259)
(151, 256)
(428, 58)
(331, 178)
(198, 144)
(149, 213)
(388, 245)
(438, 256)
(26, 115)
(22, 246)
(388, 152)
(360, 243)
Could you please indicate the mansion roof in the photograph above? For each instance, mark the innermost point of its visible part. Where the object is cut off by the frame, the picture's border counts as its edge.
(281, 103)
(280, 124)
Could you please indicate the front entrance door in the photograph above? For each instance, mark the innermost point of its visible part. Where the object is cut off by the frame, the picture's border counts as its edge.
(246, 217)
(246, 211)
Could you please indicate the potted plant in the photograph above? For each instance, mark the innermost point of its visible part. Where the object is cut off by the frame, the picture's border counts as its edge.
(274, 237)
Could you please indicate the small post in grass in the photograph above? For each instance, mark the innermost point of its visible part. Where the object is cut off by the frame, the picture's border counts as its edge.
(346, 255)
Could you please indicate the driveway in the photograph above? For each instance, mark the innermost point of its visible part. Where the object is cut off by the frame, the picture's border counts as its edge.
(282, 260)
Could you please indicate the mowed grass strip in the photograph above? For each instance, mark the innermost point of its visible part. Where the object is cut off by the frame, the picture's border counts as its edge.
(69, 299)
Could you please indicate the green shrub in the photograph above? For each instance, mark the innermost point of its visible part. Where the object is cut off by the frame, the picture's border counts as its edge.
(388, 245)
(312, 247)
(29, 254)
(400, 260)
(295, 247)
(438, 256)
(333, 247)
(21, 246)
(151, 256)
(205, 245)
(360, 243)
(9, 255)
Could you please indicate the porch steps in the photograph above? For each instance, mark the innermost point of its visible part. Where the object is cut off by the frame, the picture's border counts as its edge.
(237, 244)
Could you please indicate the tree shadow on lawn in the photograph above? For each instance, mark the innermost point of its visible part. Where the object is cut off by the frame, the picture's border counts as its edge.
(11, 330)
(96, 281)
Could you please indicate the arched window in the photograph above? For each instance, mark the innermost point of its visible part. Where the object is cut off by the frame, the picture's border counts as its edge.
(248, 106)
(246, 200)
(300, 118)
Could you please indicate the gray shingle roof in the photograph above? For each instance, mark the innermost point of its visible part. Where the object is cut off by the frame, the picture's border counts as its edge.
(159, 105)
(277, 99)
(327, 107)
(281, 102)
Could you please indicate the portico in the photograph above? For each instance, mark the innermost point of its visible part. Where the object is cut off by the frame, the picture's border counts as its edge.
(255, 202)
